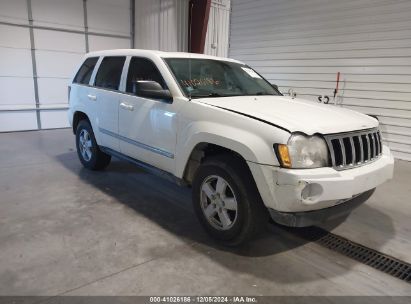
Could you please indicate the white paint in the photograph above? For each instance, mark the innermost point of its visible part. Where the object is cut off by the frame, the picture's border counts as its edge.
(303, 44)
(165, 134)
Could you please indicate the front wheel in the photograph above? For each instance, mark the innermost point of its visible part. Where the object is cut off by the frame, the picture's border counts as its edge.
(88, 151)
(226, 200)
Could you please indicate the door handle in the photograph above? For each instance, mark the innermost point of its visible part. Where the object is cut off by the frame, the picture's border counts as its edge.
(91, 97)
(126, 106)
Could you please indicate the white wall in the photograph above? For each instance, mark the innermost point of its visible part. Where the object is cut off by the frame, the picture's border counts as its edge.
(218, 28)
(61, 36)
(161, 25)
(303, 44)
(59, 40)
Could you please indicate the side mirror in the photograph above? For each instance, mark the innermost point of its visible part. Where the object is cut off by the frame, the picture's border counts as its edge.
(151, 89)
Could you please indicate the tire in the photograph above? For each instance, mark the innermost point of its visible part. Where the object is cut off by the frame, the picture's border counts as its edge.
(245, 214)
(89, 153)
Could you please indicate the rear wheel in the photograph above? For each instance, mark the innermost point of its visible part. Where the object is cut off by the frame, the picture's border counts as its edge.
(88, 151)
(227, 201)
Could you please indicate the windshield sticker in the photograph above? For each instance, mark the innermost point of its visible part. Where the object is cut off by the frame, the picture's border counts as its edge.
(201, 82)
(251, 73)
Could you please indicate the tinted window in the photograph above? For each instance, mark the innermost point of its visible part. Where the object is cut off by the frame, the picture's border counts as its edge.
(109, 73)
(85, 71)
(142, 69)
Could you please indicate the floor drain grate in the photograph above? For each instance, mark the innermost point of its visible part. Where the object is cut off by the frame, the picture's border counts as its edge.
(368, 256)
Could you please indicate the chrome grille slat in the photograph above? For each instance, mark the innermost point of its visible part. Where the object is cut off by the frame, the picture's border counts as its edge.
(379, 140)
(352, 150)
(342, 146)
(377, 143)
(368, 148)
(332, 153)
(361, 149)
(374, 150)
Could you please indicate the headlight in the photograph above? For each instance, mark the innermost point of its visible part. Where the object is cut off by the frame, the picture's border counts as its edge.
(303, 151)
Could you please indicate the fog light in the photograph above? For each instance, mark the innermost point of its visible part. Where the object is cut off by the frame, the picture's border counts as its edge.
(311, 193)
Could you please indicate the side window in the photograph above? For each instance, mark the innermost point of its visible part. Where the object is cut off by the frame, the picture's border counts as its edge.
(84, 73)
(142, 69)
(109, 73)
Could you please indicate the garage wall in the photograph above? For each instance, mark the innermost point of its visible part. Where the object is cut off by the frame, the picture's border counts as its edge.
(162, 25)
(41, 44)
(303, 44)
(218, 28)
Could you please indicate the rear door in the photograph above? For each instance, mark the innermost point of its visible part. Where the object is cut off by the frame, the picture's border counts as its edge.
(80, 88)
(107, 96)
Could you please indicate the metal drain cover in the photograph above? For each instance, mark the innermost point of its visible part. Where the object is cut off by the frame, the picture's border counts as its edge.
(380, 261)
(368, 256)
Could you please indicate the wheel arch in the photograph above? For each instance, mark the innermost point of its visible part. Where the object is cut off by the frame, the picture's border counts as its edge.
(77, 117)
(202, 151)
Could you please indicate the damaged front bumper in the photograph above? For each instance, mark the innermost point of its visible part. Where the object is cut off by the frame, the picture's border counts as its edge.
(311, 218)
(298, 191)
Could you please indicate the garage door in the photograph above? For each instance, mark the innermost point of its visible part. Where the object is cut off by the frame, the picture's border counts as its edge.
(41, 43)
(303, 44)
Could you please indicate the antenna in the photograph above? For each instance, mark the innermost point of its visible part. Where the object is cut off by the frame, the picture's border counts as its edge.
(189, 75)
(189, 56)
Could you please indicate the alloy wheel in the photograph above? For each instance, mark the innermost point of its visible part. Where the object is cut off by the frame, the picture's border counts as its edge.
(85, 145)
(218, 202)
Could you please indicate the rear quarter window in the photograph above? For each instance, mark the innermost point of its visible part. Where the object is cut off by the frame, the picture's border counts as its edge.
(84, 73)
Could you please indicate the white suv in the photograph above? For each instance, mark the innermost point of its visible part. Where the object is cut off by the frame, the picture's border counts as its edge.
(218, 126)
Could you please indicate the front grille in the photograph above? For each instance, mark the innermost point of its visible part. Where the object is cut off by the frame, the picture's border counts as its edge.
(354, 149)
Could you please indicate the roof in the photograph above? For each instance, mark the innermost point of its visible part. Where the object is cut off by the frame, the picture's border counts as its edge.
(162, 54)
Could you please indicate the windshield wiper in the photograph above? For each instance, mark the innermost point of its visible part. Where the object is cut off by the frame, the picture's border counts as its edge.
(211, 95)
(215, 95)
(262, 93)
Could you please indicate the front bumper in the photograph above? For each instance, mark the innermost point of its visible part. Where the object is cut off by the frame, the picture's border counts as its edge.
(315, 217)
(300, 190)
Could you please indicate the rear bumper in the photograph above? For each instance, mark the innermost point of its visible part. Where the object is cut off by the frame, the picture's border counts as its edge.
(301, 190)
(316, 217)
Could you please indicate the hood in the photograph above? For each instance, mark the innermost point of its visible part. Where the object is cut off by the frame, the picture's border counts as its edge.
(295, 114)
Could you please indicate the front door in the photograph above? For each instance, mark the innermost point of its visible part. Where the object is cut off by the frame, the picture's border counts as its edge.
(147, 127)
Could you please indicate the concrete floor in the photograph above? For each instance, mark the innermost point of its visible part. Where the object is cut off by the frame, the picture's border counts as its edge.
(68, 231)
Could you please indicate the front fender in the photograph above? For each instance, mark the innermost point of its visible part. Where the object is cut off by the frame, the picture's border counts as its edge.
(249, 145)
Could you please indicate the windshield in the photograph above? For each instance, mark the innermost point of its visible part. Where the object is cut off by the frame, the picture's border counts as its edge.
(215, 78)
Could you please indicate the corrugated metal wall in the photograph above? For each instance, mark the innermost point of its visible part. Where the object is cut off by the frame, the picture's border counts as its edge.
(218, 28)
(303, 44)
(41, 43)
(162, 25)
